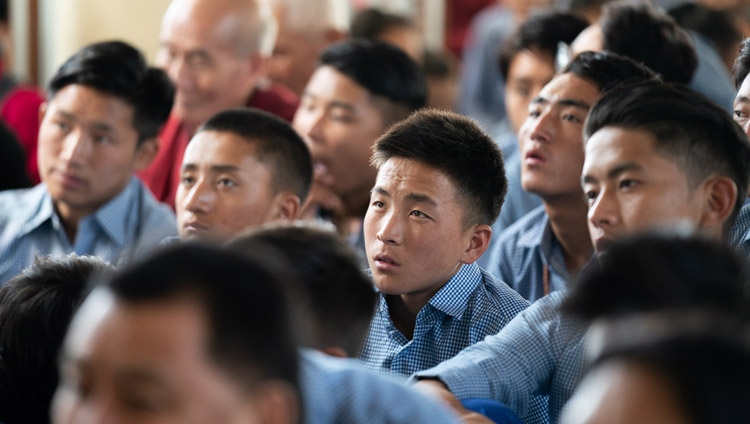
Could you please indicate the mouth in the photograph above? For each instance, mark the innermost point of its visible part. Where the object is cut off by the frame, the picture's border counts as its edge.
(534, 157)
(70, 181)
(194, 228)
(601, 244)
(385, 263)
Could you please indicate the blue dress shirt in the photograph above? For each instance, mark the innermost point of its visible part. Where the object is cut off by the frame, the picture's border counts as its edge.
(336, 390)
(539, 352)
(739, 235)
(123, 228)
(470, 306)
(524, 251)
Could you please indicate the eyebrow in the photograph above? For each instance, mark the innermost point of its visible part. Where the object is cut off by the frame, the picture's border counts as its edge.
(217, 168)
(342, 105)
(380, 190)
(615, 172)
(421, 198)
(563, 102)
(742, 99)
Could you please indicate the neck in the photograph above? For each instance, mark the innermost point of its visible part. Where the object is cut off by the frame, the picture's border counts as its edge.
(567, 218)
(70, 218)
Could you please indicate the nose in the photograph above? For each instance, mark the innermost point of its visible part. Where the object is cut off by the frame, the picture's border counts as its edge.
(179, 72)
(75, 147)
(604, 211)
(391, 229)
(200, 198)
(540, 127)
(309, 124)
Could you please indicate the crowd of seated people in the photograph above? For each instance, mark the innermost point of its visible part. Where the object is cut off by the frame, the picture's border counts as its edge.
(278, 223)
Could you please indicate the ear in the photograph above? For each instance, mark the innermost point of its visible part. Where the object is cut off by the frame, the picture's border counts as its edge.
(276, 402)
(722, 196)
(42, 111)
(333, 35)
(480, 240)
(145, 153)
(286, 207)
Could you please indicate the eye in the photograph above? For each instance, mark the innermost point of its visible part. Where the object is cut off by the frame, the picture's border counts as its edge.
(227, 182)
(378, 204)
(571, 118)
(102, 139)
(740, 116)
(534, 113)
(628, 184)
(419, 214)
(62, 126)
(590, 195)
(187, 180)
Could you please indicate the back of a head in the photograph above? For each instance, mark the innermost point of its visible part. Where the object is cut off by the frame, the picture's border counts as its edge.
(658, 273)
(651, 38)
(384, 70)
(703, 360)
(276, 144)
(541, 34)
(456, 146)
(742, 64)
(686, 126)
(712, 23)
(120, 70)
(250, 336)
(330, 282)
(371, 23)
(36, 307)
(606, 70)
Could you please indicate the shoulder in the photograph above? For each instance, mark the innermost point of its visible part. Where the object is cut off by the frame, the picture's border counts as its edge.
(20, 204)
(157, 217)
(505, 299)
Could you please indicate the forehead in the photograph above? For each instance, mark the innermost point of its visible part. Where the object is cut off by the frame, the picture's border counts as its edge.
(201, 25)
(327, 82)
(569, 86)
(743, 94)
(404, 175)
(531, 64)
(87, 103)
(220, 147)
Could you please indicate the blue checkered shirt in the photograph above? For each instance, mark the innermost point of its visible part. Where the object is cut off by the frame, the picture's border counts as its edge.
(125, 227)
(539, 352)
(739, 235)
(470, 306)
(523, 251)
(336, 390)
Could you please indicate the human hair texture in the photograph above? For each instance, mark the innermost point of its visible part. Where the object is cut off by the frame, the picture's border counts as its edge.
(742, 64)
(383, 70)
(120, 70)
(328, 279)
(716, 25)
(372, 22)
(540, 34)
(704, 362)
(243, 299)
(454, 145)
(606, 70)
(438, 64)
(687, 127)
(651, 38)
(654, 272)
(36, 307)
(276, 145)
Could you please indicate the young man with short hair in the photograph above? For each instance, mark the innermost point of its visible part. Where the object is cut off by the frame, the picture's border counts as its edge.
(655, 155)
(359, 89)
(243, 168)
(99, 126)
(544, 250)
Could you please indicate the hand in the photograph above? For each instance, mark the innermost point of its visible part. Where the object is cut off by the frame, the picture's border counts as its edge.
(438, 390)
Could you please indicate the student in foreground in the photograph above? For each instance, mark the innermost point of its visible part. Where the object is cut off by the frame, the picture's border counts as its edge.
(99, 126)
(657, 157)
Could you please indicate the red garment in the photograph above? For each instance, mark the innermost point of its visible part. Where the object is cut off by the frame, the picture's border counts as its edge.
(20, 111)
(163, 175)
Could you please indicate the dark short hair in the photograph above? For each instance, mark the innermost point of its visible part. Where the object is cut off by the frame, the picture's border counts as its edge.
(742, 64)
(686, 126)
(370, 23)
(276, 144)
(606, 70)
(454, 145)
(248, 317)
(716, 25)
(36, 307)
(701, 359)
(651, 38)
(383, 70)
(650, 273)
(540, 34)
(118, 69)
(329, 281)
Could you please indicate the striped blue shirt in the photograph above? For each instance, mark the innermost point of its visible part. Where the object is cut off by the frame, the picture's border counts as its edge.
(524, 251)
(540, 352)
(739, 235)
(336, 390)
(124, 228)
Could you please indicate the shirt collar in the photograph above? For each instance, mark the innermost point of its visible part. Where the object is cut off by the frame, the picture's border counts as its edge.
(116, 217)
(37, 209)
(537, 230)
(454, 295)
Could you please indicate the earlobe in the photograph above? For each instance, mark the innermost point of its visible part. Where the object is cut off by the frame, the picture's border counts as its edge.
(480, 241)
(722, 197)
(287, 207)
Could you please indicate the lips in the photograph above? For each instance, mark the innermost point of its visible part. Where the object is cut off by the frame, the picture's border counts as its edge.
(601, 244)
(534, 157)
(385, 263)
(195, 227)
(69, 180)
